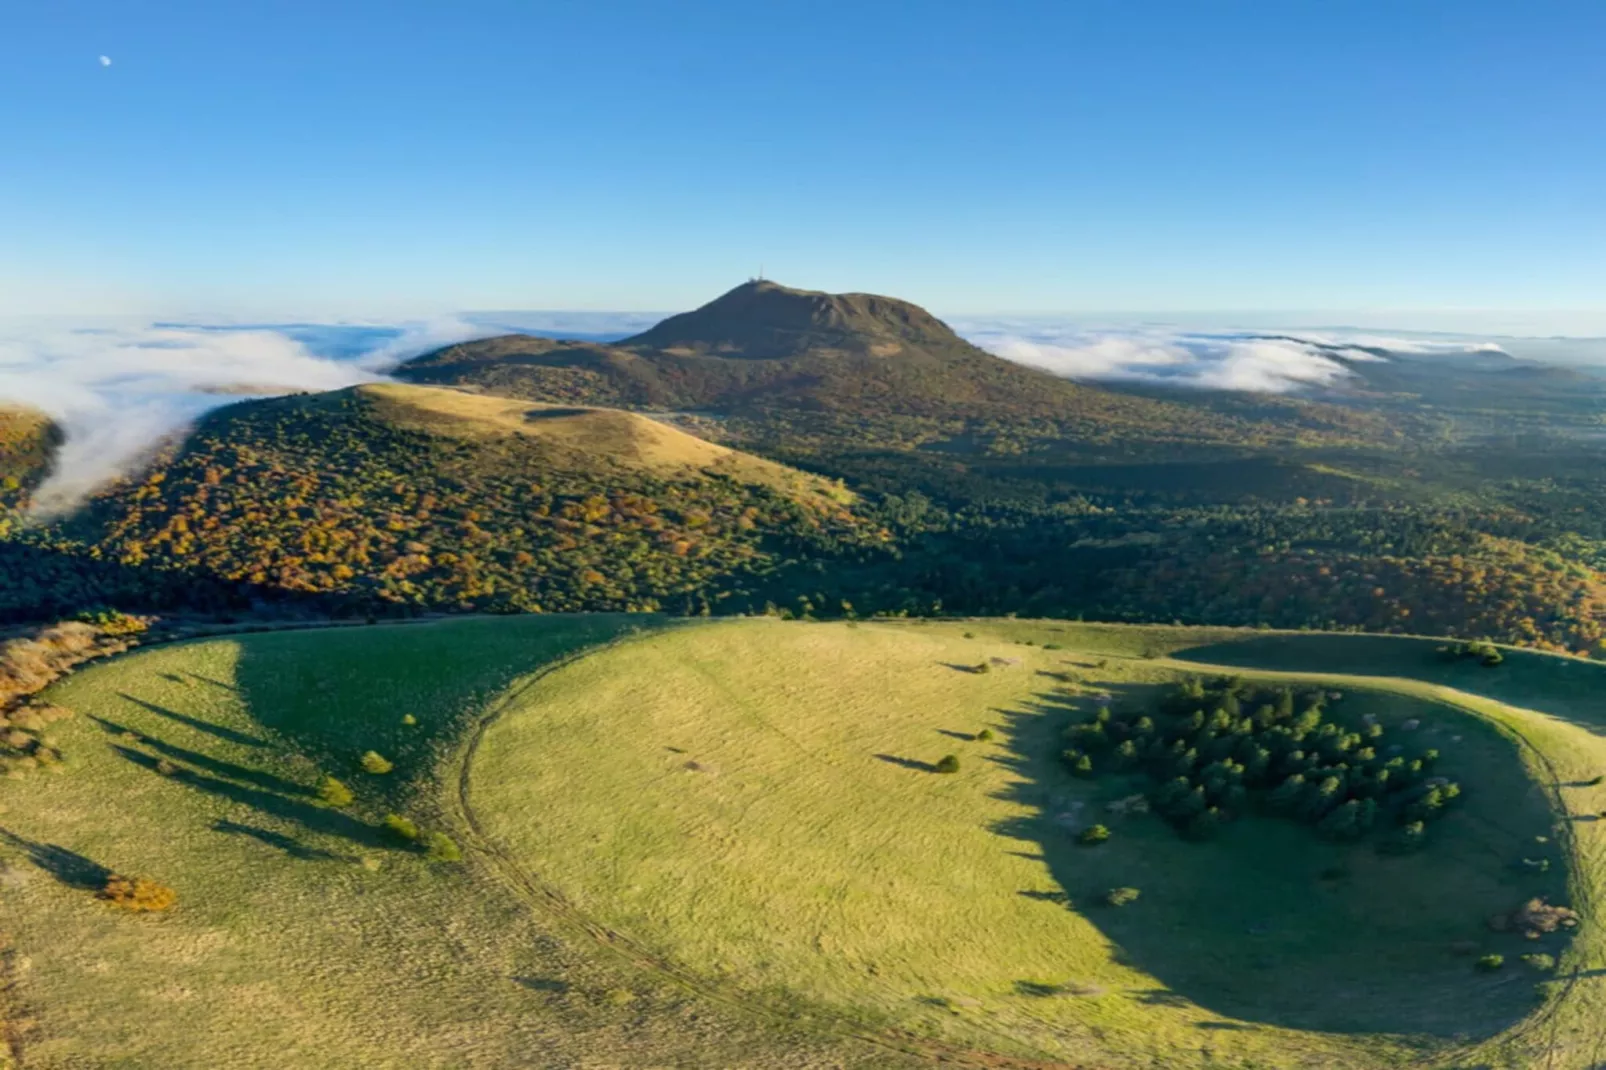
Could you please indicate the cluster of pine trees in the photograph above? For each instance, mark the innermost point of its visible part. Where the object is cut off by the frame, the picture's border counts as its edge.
(1220, 751)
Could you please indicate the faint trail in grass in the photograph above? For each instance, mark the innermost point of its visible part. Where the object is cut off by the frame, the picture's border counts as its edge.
(539, 895)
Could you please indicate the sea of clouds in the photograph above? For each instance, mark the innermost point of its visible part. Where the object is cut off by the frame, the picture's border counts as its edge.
(118, 389)
(1264, 361)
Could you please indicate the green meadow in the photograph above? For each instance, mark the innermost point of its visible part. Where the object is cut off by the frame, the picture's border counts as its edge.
(727, 844)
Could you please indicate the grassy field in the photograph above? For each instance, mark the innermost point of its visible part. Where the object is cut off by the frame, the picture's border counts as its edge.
(302, 936)
(722, 845)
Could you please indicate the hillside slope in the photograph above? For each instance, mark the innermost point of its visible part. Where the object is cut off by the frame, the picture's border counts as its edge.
(437, 498)
(27, 440)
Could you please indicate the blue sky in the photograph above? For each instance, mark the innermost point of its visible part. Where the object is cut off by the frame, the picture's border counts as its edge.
(354, 158)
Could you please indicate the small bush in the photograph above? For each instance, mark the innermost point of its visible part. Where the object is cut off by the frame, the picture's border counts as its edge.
(1410, 838)
(441, 848)
(982, 667)
(333, 793)
(165, 767)
(1595, 781)
(1539, 962)
(948, 763)
(984, 736)
(1489, 963)
(970, 635)
(400, 827)
(409, 720)
(1120, 897)
(137, 894)
(376, 763)
(1093, 835)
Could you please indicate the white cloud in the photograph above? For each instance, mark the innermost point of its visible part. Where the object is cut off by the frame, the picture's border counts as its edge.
(117, 391)
(1224, 361)
(105, 61)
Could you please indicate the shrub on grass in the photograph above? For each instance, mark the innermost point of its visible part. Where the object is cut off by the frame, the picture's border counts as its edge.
(1489, 963)
(1120, 897)
(1595, 781)
(984, 736)
(948, 763)
(402, 828)
(1093, 835)
(376, 763)
(1539, 962)
(441, 848)
(137, 894)
(409, 720)
(334, 793)
(1412, 836)
(982, 667)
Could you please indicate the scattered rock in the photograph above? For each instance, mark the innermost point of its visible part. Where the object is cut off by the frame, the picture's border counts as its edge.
(1410, 724)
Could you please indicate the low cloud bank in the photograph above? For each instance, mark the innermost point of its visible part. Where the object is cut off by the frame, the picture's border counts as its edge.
(1258, 361)
(118, 390)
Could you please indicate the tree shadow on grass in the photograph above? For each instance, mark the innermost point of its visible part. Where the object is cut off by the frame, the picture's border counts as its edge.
(908, 763)
(311, 817)
(68, 867)
(1242, 926)
(230, 770)
(228, 735)
(440, 673)
(963, 737)
(289, 845)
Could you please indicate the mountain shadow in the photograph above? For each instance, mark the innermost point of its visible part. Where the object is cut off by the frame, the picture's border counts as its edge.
(1269, 924)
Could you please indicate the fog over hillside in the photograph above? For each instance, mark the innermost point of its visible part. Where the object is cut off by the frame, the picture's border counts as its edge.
(118, 387)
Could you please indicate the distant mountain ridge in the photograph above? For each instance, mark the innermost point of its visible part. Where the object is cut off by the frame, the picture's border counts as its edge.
(864, 363)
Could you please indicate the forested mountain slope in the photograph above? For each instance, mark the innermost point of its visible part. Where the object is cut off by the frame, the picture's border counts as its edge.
(797, 367)
(27, 440)
(413, 496)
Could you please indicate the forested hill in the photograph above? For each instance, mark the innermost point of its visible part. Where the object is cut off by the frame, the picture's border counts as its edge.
(803, 366)
(414, 496)
(27, 439)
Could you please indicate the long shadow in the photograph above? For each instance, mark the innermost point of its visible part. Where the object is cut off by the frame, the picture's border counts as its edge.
(216, 766)
(1242, 925)
(908, 763)
(1571, 689)
(68, 867)
(963, 737)
(314, 818)
(439, 674)
(289, 845)
(229, 735)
